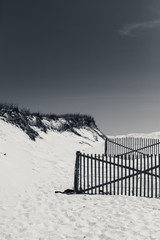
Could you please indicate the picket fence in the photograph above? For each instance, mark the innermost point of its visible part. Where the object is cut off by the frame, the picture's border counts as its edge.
(120, 174)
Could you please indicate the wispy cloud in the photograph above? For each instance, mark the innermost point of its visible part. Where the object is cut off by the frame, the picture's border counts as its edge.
(130, 29)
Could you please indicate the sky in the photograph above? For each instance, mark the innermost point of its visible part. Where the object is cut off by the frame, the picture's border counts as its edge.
(100, 58)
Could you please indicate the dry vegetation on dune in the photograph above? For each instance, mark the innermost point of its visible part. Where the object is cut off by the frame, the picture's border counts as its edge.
(30, 121)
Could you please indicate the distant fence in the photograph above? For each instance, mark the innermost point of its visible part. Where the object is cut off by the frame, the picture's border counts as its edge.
(136, 175)
(129, 145)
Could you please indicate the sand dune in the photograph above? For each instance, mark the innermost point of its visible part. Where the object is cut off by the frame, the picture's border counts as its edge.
(31, 172)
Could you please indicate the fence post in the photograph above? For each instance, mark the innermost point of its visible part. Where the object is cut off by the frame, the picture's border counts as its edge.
(76, 173)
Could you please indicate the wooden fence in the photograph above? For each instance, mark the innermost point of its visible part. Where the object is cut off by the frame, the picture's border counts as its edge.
(136, 175)
(130, 145)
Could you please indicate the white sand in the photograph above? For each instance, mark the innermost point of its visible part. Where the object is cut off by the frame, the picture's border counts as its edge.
(31, 172)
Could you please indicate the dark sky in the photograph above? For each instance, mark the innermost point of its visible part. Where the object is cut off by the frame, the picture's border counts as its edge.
(84, 56)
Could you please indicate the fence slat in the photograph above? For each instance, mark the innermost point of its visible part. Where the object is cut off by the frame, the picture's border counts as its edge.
(91, 174)
(84, 173)
(151, 176)
(106, 174)
(140, 176)
(125, 158)
(137, 176)
(114, 173)
(80, 170)
(99, 175)
(110, 170)
(144, 191)
(122, 175)
(133, 159)
(118, 176)
(129, 183)
(155, 162)
(95, 172)
(148, 174)
(103, 174)
(106, 147)
(87, 174)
